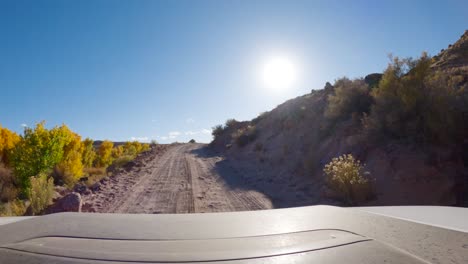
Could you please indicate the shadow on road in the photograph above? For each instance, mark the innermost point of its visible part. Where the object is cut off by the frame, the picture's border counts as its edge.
(237, 176)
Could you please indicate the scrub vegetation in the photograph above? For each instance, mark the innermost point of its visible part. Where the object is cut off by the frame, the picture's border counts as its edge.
(408, 124)
(32, 163)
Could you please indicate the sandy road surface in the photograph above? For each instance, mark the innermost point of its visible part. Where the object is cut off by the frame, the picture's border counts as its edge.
(186, 178)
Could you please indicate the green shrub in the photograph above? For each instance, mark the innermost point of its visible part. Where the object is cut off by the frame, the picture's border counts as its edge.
(38, 151)
(41, 192)
(350, 96)
(416, 104)
(192, 141)
(345, 176)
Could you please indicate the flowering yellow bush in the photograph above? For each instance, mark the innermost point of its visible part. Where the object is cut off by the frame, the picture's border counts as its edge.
(345, 176)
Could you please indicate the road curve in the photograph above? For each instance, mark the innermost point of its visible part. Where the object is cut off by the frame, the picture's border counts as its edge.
(187, 178)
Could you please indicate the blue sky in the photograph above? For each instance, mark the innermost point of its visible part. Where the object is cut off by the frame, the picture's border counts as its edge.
(170, 70)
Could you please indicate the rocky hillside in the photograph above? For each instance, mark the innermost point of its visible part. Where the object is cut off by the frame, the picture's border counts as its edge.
(413, 156)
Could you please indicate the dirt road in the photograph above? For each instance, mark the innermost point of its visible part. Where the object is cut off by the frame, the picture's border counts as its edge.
(186, 178)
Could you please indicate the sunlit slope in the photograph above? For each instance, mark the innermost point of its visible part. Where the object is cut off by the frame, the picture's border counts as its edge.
(407, 126)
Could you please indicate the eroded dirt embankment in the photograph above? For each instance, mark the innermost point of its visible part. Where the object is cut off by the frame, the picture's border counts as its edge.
(181, 178)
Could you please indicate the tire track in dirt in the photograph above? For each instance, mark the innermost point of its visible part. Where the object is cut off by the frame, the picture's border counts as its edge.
(187, 178)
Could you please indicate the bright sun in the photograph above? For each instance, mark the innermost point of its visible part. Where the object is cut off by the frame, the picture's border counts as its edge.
(279, 73)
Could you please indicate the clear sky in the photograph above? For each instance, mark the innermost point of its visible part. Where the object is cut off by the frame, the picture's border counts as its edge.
(170, 70)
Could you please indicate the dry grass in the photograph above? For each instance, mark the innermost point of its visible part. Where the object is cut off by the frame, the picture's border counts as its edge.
(13, 208)
(41, 192)
(94, 175)
(8, 190)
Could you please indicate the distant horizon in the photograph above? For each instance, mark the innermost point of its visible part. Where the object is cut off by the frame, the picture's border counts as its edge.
(170, 71)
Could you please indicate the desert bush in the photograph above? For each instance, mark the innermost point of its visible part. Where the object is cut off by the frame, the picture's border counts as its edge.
(217, 131)
(142, 147)
(89, 154)
(345, 176)
(145, 147)
(38, 151)
(118, 151)
(8, 189)
(415, 104)
(134, 148)
(245, 135)
(153, 142)
(41, 192)
(13, 208)
(104, 152)
(70, 168)
(8, 140)
(192, 141)
(129, 149)
(350, 96)
(231, 123)
(122, 160)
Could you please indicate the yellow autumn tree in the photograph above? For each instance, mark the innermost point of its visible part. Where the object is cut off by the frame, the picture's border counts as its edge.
(105, 154)
(89, 154)
(117, 152)
(8, 140)
(70, 168)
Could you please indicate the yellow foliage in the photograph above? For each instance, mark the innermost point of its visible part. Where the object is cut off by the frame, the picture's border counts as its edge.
(117, 152)
(8, 140)
(134, 148)
(346, 177)
(105, 154)
(88, 155)
(71, 166)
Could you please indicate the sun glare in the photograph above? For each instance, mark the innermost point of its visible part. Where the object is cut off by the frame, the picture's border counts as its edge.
(279, 73)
